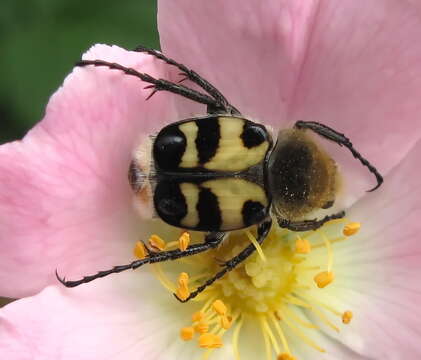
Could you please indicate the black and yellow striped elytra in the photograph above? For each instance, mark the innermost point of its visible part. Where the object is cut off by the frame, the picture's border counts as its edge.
(220, 172)
(211, 144)
(209, 173)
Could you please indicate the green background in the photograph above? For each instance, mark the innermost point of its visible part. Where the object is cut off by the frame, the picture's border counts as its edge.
(40, 40)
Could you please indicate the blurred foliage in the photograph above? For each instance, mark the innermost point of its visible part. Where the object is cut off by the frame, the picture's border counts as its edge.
(40, 40)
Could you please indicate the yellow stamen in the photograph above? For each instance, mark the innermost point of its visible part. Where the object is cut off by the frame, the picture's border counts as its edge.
(267, 343)
(256, 245)
(184, 241)
(198, 315)
(302, 246)
(140, 250)
(272, 292)
(285, 356)
(187, 333)
(210, 341)
(183, 279)
(226, 322)
(329, 251)
(219, 307)
(268, 330)
(162, 277)
(235, 337)
(278, 329)
(322, 316)
(157, 243)
(347, 317)
(324, 278)
(291, 314)
(318, 302)
(351, 228)
(202, 327)
(183, 291)
(332, 241)
(295, 301)
(301, 335)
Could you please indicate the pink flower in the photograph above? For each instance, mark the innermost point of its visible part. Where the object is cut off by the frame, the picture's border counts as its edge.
(65, 201)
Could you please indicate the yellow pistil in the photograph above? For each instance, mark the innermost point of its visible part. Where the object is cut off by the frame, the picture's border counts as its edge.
(187, 333)
(347, 317)
(210, 341)
(140, 250)
(267, 292)
(302, 246)
(351, 228)
(324, 278)
(183, 291)
(157, 243)
(184, 241)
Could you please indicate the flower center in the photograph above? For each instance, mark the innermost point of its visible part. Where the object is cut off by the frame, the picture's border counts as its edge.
(275, 289)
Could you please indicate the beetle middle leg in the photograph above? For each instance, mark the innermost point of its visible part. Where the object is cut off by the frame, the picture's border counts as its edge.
(193, 76)
(212, 240)
(262, 232)
(307, 225)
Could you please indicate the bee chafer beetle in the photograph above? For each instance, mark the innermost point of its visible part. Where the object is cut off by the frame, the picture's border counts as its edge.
(223, 172)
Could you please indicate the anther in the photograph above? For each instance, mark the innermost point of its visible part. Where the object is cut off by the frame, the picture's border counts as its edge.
(140, 250)
(302, 246)
(187, 333)
(202, 327)
(347, 317)
(324, 278)
(210, 341)
(184, 241)
(157, 243)
(285, 356)
(219, 307)
(197, 316)
(183, 291)
(351, 228)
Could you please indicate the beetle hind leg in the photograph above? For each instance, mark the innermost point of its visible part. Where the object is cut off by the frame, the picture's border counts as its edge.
(212, 240)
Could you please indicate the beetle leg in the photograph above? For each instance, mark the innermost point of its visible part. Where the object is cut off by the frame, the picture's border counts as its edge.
(223, 104)
(307, 225)
(156, 84)
(212, 240)
(341, 140)
(262, 232)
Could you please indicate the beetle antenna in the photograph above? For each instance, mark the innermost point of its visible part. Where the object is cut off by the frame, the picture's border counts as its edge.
(341, 140)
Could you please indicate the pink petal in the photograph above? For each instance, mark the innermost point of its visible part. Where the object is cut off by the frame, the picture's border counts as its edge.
(252, 345)
(252, 52)
(378, 271)
(361, 75)
(128, 316)
(351, 65)
(65, 201)
(109, 319)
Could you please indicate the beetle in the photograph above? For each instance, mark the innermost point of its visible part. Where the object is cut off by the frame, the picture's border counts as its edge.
(223, 172)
